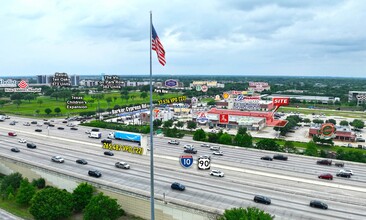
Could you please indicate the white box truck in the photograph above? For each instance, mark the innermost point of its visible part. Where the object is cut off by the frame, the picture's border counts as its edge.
(96, 135)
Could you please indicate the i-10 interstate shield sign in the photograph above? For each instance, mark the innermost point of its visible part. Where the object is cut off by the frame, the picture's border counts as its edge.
(186, 161)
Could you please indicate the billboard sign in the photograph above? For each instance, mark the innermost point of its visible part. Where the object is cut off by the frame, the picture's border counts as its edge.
(171, 83)
(224, 118)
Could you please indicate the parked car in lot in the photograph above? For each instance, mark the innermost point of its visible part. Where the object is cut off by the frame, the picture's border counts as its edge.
(173, 142)
(95, 173)
(205, 145)
(324, 162)
(31, 145)
(178, 186)
(266, 158)
(22, 140)
(108, 153)
(15, 149)
(219, 153)
(327, 176)
(190, 151)
(280, 157)
(215, 148)
(81, 161)
(12, 134)
(343, 174)
(262, 199)
(217, 173)
(318, 204)
(122, 165)
(57, 159)
(107, 141)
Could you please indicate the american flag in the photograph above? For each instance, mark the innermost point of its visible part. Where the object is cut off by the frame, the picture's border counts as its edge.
(158, 47)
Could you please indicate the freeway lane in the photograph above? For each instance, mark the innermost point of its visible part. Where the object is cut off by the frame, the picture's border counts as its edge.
(290, 198)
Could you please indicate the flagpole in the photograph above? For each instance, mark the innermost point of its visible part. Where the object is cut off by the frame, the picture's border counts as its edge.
(151, 132)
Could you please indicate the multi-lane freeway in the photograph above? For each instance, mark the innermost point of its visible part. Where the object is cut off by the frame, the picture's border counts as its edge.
(291, 184)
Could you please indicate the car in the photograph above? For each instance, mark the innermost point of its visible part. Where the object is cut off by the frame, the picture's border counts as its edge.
(346, 171)
(108, 153)
(173, 142)
(122, 165)
(33, 122)
(95, 129)
(73, 128)
(205, 145)
(31, 145)
(15, 149)
(190, 151)
(22, 140)
(266, 158)
(215, 148)
(46, 123)
(95, 173)
(217, 173)
(324, 162)
(51, 125)
(178, 186)
(26, 124)
(38, 130)
(57, 159)
(81, 161)
(107, 141)
(318, 204)
(60, 128)
(339, 164)
(205, 157)
(280, 157)
(327, 176)
(188, 146)
(360, 139)
(87, 131)
(343, 174)
(12, 123)
(12, 134)
(39, 125)
(64, 122)
(262, 199)
(219, 153)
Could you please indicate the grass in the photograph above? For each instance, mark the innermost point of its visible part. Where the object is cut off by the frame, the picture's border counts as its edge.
(346, 114)
(29, 108)
(15, 209)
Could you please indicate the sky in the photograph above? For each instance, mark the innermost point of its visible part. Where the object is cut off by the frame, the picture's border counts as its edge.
(206, 37)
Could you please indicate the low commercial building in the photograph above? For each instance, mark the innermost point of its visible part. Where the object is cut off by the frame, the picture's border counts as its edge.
(341, 133)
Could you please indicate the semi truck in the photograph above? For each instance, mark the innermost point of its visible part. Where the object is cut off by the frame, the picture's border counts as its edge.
(96, 135)
(126, 136)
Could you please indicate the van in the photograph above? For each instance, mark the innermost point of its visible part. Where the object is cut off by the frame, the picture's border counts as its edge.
(96, 135)
(31, 145)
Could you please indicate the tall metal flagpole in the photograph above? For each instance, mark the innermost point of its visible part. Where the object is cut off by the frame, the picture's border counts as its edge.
(151, 133)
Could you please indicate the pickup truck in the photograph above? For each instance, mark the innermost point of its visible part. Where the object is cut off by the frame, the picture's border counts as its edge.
(324, 162)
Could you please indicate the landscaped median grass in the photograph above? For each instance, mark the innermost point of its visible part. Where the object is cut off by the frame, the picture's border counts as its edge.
(331, 113)
(15, 209)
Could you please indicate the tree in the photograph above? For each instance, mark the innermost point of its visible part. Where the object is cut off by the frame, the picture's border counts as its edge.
(108, 100)
(115, 98)
(127, 97)
(180, 124)
(243, 140)
(191, 125)
(344, 123)
(289, 147)
(116, 107)
(57, 110)
(211, 102)
(103, 207)
(242, 130)
(331, 121)
(306, 120)
(82, 195)
(199, 135)
(249, 213)
(143, 95)
(40, 102)
(40, 183)
(311, 149)
(37, 111)
(51, 203)
(168, 124)
(225, 139)
(212, 137)
(133, 97)
(157, 123)
(13, 180)
(16, 96)
(48, 111)
(358, 123)
(268, 144)
(25, 193)
(29, 97)
(17, 102)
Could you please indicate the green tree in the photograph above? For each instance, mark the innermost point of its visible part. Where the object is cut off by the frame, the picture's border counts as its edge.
(191, 125)
(311, 149)
(25, 193)
(318, 121)
(225, 139)
(116, 107)
(180, 124)
(108, 100)
(57, 110)
(212, 137)
(143, 95)
(243, 140)
(157, 123)
(47, 111)
(211, 102)
(306, 120)
(250, 213)
(289, 147)
(168, 124)
(17, 102)
(40, 183)
(199, 135)
(82, 195)
(16, 96)
(323, 153)
(51, 203)
(115, 98)
(29, 97)
(344, 123)
(242, 130)
(37, 111)
(357, 123)
(103, 207)
(331, 121)
(268, 144)
(127, 97)
(13, 180)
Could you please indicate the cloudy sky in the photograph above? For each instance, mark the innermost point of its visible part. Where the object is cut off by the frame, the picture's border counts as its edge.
(242, 37)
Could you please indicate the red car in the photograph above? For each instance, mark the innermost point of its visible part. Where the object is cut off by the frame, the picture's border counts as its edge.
(12, 134)
(327, 176)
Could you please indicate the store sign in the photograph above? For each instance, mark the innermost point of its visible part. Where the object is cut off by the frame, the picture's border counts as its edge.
(327, 131)
(226, 95)
(204, 88)
(224, 118)
(171, 83)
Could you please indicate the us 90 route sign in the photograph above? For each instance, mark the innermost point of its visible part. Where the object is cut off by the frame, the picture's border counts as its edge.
(204, 163)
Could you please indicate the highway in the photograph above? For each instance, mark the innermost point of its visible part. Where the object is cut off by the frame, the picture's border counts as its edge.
(290, 184)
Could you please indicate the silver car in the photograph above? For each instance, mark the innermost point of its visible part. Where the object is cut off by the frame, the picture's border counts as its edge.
(122, 165)
(57, 159)
(217, 173)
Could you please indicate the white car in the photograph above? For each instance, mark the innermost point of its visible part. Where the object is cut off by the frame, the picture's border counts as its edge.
(57, 159)
(220, 153)
(173, 142)
(217, 173)
(122, 165)
(188, 146)
(87, 131)
(26, 124)
(205, 145)
(22, 140)
(216, 148)
(346, 171)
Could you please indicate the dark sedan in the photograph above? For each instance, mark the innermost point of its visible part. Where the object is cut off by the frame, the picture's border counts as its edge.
(15, 149)
(318, 204)
(262, 199)
(81, 161)
(178, 186)
(108, 153)
(95, 173)
(266, 158)
(38, 130)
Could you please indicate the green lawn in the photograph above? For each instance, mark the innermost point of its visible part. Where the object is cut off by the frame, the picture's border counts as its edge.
(29, 108)
(347, 114)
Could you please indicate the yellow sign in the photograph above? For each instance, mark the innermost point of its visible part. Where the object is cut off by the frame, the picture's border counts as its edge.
(125, 148)
(225, 95)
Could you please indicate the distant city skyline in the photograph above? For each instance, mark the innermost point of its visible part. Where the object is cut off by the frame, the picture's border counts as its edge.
(208, 37)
